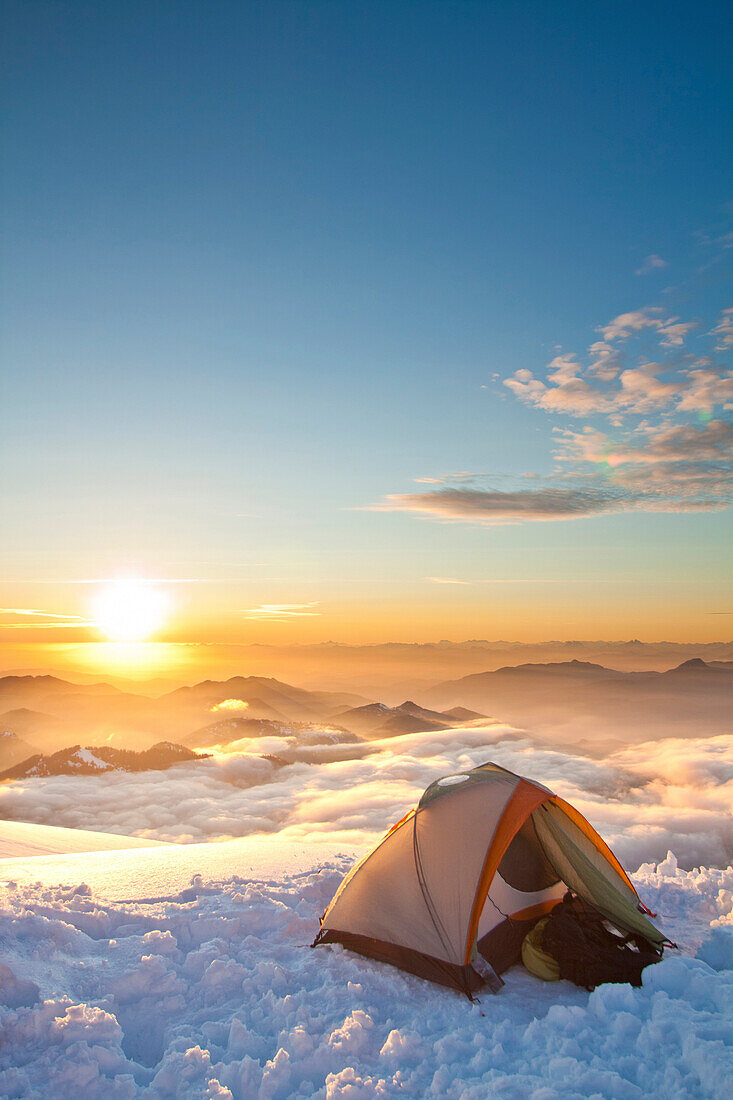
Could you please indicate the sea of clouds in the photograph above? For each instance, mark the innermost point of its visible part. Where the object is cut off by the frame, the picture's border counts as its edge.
(668, 794)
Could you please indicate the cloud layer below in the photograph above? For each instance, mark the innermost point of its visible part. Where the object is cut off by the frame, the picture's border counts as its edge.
(645, 800)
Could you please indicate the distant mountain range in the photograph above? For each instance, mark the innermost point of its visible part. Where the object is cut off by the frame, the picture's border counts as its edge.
(13, 748)
(377, 720)
(229, 731)
(51, 712)
(574, 701)
(101, 758)
(262, 692)
(392, 671)
(586, 701)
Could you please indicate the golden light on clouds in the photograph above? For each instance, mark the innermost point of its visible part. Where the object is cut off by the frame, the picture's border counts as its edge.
(230, 704)
(130, 610)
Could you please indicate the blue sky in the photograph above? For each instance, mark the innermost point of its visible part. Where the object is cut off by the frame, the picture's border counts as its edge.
(267, 264)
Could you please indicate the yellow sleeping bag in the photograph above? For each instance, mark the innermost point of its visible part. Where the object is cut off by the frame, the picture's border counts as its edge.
(535, 958)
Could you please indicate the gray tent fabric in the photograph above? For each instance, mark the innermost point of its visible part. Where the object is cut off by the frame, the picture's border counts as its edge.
(427, 882)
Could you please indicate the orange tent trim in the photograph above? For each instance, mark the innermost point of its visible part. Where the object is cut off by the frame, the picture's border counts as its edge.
(597, 841)
(525, 798)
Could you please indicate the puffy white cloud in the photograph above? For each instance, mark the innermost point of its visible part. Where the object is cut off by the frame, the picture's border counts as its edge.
(637, 390)
(644, 799)
(671, 465)
(623, 326)
(230, 704)
(705, 389)
(605, 387)
(651, 263)
(670, 330)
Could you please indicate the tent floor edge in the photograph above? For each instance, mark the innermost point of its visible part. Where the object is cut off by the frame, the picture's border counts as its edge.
(464, 979)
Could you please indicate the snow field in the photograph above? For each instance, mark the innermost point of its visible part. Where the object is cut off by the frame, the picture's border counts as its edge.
(214, 992)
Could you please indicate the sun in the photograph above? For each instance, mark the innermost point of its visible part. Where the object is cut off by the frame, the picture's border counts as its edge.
(129, 610)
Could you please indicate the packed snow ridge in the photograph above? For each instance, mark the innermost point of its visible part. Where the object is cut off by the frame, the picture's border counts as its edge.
(214, 992)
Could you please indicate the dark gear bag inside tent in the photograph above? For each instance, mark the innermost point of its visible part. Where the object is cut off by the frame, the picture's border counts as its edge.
(587, 952)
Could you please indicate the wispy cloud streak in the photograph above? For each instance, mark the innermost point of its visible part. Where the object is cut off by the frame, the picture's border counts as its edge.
(656, 437)
(281, 611)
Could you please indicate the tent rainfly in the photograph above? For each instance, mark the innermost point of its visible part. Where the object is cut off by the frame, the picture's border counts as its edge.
(453, 888)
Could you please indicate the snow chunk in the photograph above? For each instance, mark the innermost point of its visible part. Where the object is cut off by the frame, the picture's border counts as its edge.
(353, 1035)
(717, 951)
(16, 992)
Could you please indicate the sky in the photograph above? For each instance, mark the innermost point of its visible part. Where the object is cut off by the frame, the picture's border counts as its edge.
(365, 321)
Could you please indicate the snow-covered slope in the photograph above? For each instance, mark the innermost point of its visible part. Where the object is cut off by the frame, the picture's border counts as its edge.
(19, 839)
(212, 991)
(91, 760)
(185, 971)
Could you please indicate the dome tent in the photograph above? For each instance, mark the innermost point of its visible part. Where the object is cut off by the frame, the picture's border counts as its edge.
(452, 889)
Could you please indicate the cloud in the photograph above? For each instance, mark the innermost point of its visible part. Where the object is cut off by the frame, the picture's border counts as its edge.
(673, 467)
(665, 467)
(492, 507)
(37, 611)
(685, 443)
(664, 462)
(632, 492)
(670, 330)
(56, 620)
(446, 580)
(706, 388)
(625, 324)
(230, 704)
(490, 580)
(138, 580)
(281, 611)
(645, 799)
(724, 330)
(651, 263)
(606, 388)
(667, 443)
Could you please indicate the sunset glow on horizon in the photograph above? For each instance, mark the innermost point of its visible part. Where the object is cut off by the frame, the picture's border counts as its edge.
(391, 373)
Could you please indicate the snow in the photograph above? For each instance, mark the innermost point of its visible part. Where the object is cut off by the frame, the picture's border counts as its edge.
(168, 869)
(20, 838)
(211, 990)
(86, 756)
(184, 970)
